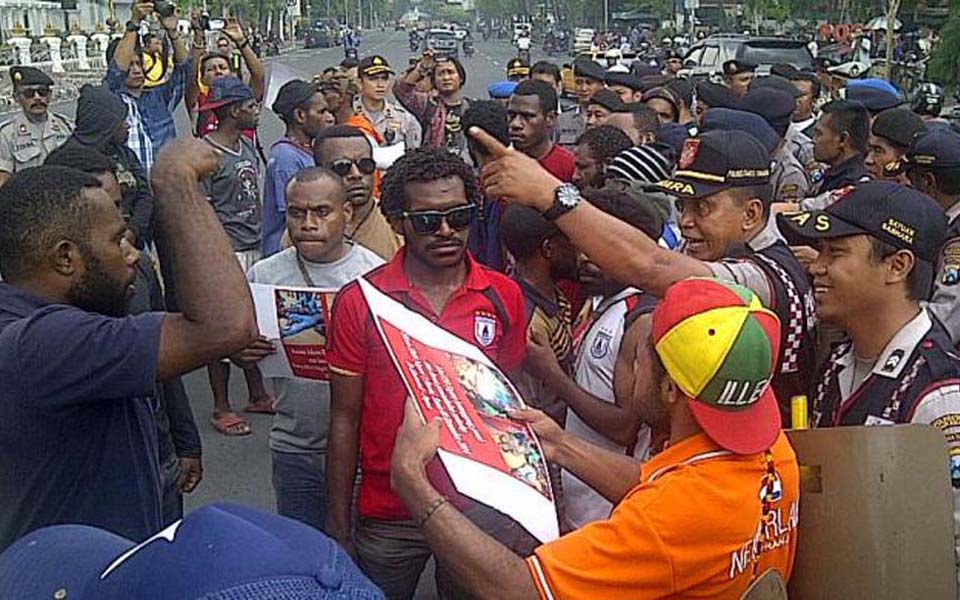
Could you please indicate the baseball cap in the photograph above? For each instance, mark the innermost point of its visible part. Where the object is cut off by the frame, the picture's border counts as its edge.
(776, 82)
(728, 119)
(720, 346)
(517, 68)
(218, 552)
(374, 65)
(588, 69)
(735, 66)
(937, 148)
(718, 160)
(625, 79)
(293, 94)
(893, 213)
(774, 105)
(607, 99)
(224, 91)
(899, 125)
(501, 90)
(715, 95)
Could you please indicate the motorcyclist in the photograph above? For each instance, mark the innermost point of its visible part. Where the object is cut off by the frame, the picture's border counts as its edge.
(927, 102)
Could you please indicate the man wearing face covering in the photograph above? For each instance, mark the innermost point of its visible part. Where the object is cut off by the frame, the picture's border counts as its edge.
(102, 125)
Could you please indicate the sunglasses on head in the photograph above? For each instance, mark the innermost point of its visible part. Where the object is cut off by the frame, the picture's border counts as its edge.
(41, 92)
(364, 165)
(427, 222)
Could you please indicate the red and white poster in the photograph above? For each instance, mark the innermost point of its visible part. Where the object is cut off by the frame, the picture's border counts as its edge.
(489, 457)
(295, 319)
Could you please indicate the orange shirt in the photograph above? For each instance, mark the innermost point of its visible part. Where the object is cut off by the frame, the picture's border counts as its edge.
(692, 527)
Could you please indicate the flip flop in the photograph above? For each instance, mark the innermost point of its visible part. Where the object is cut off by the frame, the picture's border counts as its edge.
(226, 424)
(264, 407)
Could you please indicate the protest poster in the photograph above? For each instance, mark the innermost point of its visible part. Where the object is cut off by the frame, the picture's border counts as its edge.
(295, 319)
(489, 457)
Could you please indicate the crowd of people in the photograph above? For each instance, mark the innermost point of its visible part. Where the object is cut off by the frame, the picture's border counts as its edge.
(666, 266)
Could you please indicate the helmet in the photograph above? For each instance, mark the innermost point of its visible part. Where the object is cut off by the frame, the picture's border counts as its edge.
(927, 99)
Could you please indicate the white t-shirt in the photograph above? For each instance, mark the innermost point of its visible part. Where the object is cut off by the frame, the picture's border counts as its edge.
(593, 371)
(303, 407)
(523, 43)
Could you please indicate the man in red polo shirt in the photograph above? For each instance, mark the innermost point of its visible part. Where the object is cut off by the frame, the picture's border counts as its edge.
(430, 197)
(532, 116)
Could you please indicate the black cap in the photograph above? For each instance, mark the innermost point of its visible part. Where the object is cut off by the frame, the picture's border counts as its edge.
(735, 67)
(894, 213)
(778, 83)
(29, 76)
(673, 55)
(715, 95)
(517, 68)
(899, 125)
(607, 99)
(374, 65)
(784, 70)
(681, 88)
(642, 69)
(292, 94)
(938, 148)
(625, 79)
(716, 161)
(875, 100)
(589, 69)
(776, 106)
(728, 119)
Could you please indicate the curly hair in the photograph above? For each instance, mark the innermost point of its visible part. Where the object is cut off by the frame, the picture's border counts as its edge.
(423, 165)
(605, 142)
(39, 207)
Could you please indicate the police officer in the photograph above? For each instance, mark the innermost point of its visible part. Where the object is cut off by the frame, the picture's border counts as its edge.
(588, 78)
(897, 365)
(27, 139)
(797, 142)
(390, 123)
(722, 177)
(932, 164)
(876, 99)
(737, 75)
(627, 85)
(517, 70)
(788, 176)
(712, 95)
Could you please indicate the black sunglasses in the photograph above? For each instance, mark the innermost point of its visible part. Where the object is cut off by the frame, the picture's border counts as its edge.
(364, 165)
(427, 222)
(41, 92)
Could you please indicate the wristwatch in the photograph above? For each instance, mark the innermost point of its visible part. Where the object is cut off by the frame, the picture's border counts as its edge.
(565, 198)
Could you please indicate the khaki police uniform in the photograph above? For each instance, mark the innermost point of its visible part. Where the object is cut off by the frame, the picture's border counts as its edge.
(394, 124)
(789, 179)
(802, 147)
(24, 143)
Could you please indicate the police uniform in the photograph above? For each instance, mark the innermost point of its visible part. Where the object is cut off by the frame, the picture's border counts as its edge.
(801, 146)
(572, 124)
(517, 69)
(765, 264)
(393, 124)
(788, 178)
(916, 378)
(23, 142)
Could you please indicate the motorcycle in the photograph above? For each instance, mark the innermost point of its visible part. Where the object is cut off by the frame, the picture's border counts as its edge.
(414, 44)
(524, 55)
(468, 48)
(350, 53)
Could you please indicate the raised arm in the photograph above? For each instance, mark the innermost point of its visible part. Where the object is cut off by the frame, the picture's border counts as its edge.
(199, 47)
(258, 74)
(626, 253)
(217, 317)
(127, 48)
(181, 53)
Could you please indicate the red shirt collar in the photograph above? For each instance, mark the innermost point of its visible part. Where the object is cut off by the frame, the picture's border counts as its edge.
(395, 277)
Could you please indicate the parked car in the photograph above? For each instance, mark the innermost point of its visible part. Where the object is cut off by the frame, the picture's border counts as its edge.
(707, 56)
(443, 41)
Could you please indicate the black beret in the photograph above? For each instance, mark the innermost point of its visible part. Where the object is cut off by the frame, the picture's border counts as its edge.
(734, 67)
(625, 79)
(589, 69)
(777, 83)
(607, 99)
(29, 76)
(899, 125)
(715, 95)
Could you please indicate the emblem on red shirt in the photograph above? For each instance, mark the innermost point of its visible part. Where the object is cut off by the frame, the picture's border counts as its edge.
(689, 154)
(484, 328)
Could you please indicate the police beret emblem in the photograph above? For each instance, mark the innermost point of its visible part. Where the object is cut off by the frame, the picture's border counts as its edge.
(689, 154)
(17, 76)
(377, 61)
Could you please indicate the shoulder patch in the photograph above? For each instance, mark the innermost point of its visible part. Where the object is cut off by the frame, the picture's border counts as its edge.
(950, 263)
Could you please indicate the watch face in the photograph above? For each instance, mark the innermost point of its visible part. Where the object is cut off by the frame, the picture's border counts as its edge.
(568, 195)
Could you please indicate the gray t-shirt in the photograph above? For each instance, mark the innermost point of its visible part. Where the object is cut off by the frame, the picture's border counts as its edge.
(234, 193)
(303, 407)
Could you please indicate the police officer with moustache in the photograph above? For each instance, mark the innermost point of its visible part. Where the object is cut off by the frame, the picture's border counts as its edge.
(27, 139)
(932, 164)
(722, 186)
(878, 248)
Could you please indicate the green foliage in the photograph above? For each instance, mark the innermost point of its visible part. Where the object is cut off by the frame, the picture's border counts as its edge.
(944, 65)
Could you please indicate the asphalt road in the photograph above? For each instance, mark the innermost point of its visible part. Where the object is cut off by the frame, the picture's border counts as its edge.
(237, 469)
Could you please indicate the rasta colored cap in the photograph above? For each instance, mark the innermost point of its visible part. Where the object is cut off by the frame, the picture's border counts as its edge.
(893, 213)
(374, 65)
(720, 346)
(716, 161)
(518, 68)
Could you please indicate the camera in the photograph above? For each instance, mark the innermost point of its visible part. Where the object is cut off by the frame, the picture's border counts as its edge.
(164, 9)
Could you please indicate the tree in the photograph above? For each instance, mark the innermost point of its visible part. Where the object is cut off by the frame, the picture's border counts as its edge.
(944, 65)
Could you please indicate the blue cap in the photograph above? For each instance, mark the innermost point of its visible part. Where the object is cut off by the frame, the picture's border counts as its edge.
(502, 90)
(218, 552)
(673, 135)
(728, 119)
(873, 83)
(939, 148)
(877, 95)
(226, 90)
(774, 105)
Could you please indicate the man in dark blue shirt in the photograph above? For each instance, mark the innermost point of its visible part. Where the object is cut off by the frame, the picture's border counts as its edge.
(78, 440)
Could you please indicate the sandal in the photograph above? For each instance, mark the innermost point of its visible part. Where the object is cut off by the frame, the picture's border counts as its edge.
(231, 424)
(263, 407)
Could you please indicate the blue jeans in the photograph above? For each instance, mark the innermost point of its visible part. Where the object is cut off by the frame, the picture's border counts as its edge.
(299, 482)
